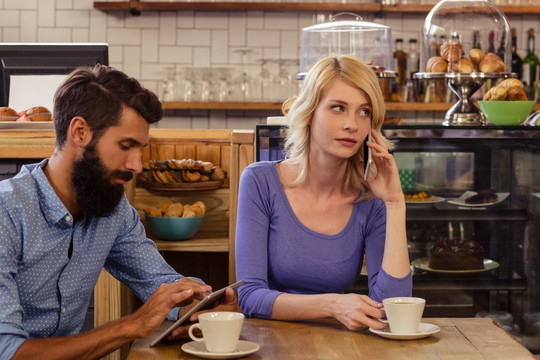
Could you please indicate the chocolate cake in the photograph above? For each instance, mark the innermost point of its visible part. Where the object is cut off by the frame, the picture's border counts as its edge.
(455, 254)
(482, 197)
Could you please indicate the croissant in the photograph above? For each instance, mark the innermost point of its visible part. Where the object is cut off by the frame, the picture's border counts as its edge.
(496, 93)
(491, 63)
(217, 174)
(476, 55)
(160, 177)
(436, 64)
(451, 51)
(511, 83)
(190, 164)
(463, 65)
(516, 94)
(191, 176)
(158, 165)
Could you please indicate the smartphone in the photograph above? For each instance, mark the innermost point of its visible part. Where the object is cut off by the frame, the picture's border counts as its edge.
(208, 302)
(367, 156)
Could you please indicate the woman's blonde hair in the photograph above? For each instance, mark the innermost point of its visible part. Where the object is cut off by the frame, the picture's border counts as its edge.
(317, 82)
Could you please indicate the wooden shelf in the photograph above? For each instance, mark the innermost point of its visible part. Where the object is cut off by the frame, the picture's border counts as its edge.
(390, 106)
(137, 6)
(200, 243)
(210, 105)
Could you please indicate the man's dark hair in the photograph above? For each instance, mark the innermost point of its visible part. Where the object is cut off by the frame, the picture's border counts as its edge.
(98, 94)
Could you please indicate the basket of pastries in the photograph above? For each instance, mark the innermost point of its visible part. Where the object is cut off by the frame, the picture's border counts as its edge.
(181, 174)
(174, 220)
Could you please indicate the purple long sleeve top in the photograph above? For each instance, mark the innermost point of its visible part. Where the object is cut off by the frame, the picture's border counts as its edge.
(276, 253)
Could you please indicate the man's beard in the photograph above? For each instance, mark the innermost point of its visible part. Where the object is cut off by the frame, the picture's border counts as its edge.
(95, 191)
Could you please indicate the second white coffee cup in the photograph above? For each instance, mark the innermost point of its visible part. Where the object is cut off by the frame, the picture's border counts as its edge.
(404, 314)
(220, 330)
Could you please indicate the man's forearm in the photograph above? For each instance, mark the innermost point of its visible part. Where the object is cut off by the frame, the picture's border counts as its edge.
(92, 344)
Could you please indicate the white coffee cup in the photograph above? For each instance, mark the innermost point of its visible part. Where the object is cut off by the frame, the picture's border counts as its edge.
(404, 314)
(220, 330)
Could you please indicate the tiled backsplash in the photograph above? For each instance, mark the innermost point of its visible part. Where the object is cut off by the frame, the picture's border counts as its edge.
(145, 46)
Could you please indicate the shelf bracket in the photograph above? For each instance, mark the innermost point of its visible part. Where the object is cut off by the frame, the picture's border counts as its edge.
(133, 8)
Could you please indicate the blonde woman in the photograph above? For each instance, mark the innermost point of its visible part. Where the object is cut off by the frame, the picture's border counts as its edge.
(305, 223)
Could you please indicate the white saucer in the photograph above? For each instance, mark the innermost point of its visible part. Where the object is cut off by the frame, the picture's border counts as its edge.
(424, 330)
(198, 349)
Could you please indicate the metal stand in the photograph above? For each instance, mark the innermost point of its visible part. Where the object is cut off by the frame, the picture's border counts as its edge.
(464, 112)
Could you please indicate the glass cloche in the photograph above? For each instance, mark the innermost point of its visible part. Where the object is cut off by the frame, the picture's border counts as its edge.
(368, 41)
(455, 30)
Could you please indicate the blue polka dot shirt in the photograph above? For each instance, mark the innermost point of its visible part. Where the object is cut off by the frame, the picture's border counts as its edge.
(45, 292)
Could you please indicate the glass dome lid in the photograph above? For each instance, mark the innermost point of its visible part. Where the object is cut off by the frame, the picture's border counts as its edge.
(368, 41)
(471, 24)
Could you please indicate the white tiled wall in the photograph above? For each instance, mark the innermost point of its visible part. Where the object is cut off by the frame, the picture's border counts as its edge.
(144, 46)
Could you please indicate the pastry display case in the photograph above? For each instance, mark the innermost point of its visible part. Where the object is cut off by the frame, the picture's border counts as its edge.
(451, 165)
(465, 43)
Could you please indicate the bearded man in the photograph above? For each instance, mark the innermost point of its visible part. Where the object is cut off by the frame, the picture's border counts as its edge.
(64, 219)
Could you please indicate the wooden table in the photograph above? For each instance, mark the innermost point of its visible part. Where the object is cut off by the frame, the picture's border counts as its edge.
(459, 338)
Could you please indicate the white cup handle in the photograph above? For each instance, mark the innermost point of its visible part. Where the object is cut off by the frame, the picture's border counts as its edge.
(190, 332)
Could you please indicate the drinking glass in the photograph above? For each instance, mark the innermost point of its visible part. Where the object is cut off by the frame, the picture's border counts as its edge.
(246, 87)
(167, 91)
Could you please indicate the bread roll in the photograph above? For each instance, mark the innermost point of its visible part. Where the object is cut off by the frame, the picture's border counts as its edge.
(152, 211)
(188, 212)
(39, 113)
(201, 205)
(463, 65)
(436, 64)
(451, 51)
(197, 210)
(165, 205)
(496, 93)
(516, 94)
(476, 55)
(8, 114)
(175, 210)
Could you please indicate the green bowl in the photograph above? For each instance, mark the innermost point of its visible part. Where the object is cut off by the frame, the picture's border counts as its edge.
(170, 228)
(506, 112)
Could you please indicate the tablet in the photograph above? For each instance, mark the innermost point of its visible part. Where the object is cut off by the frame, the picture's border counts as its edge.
(208, 302)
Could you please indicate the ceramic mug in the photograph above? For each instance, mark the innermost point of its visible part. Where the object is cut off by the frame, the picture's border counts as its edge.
(220, 330)
(404, 314)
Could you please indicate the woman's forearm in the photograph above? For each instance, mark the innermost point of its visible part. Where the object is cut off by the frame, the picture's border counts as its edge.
(396, 253)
